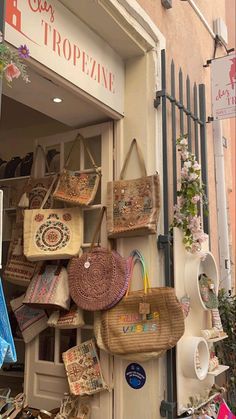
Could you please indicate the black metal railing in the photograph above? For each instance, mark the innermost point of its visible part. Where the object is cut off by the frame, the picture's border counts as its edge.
(178, 118)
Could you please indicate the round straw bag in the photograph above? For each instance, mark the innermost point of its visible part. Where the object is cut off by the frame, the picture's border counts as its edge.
(98, 279)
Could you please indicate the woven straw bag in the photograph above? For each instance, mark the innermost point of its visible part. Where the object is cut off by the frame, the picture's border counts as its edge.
(83, 369)
(78, 187)
(18, 269)
(49, 288)
(148, 320)
(71, 320)
(52, 233)
(35, 189)
(133, 205)
(98, 279)
(31, 321)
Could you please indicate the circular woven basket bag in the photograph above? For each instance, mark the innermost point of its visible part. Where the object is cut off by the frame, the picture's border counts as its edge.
(98, 279)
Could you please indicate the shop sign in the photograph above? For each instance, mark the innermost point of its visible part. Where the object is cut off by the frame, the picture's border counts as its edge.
(223, 86)
(62, 42)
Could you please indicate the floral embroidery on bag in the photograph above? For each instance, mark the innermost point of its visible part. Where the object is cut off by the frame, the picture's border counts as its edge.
(39, 217)
(67, 217)
(52, 235)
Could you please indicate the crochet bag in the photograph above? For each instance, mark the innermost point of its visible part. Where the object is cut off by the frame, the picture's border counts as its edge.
(148, 320)
(83, 369)
(71, 320)
(133, 205)
(52, 233)
(31, 321)
(49, 288)
(35, 189)
(7, 346)
(78, 187)
(98, 279)
(18, 269)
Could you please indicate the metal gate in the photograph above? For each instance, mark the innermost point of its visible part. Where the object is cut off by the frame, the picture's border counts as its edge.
(178, 119)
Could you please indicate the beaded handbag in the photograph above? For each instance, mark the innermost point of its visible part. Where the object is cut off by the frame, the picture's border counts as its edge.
(133, 205)
(98, 279)
(78, 187)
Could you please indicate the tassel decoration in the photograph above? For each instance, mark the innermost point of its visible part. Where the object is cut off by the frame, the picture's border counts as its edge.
(24, 201)
(18, 250)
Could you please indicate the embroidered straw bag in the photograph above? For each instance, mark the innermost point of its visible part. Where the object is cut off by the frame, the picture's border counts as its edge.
(133, 205)
(78, 187)
(52, 233)
(83, 369)
(98, 279)
(31, 321)
(148, 320)
(49, 288)
(18, 269)
(36, 188)
(71, 320)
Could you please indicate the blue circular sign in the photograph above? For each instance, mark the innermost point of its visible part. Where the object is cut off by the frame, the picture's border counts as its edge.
(135, 376)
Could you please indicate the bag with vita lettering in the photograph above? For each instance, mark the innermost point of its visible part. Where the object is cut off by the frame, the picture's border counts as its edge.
(78, 187)
(147, 320)
(133, 205)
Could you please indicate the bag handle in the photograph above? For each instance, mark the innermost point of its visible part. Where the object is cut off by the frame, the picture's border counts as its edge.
(49, 191)
(79, 137)
(98, 228)
(140, 159)
(36, 154)
(134, 257)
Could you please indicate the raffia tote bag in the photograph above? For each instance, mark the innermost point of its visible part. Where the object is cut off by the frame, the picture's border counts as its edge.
(133, 205)
(147, 320)
(52, 233)
(78, 187)
(18, 269)
(36, 188)
(49, 288)
(98, 279)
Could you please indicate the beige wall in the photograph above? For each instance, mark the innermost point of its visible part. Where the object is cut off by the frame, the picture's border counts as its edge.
(190, 45)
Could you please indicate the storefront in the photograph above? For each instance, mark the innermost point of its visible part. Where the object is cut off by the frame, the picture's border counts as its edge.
(102, 63)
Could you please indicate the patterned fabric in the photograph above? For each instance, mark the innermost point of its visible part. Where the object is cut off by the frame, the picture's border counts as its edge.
(77, 188)
(83, 369)
(49, 288)
(7, 346)
(39, 188)
(71, 320)
(216, 320)
(133, 206)
(31, 321)
(52, 234)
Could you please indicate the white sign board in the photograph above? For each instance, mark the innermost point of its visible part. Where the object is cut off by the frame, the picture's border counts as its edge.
(223, 87)
(62, 42)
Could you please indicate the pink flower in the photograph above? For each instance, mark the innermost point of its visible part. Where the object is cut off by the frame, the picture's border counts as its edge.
(185, 155)
(196, 166)
(184, 141)
(12, 72)
(195, 199)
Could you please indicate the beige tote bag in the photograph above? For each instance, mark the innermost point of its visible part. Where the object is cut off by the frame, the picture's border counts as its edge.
(52, 233)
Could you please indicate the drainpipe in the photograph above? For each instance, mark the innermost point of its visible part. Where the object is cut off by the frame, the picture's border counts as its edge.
(224, 253)
(202, 18)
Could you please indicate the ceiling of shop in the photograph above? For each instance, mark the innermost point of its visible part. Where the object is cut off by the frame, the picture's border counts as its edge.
(110, 30)
(72, 111)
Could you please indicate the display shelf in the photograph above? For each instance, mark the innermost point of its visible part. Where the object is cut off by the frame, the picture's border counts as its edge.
(219, 370)
(10, 179)
(217, 339)
(16, 374)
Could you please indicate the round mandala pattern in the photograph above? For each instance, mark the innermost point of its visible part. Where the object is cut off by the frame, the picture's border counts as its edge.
(52, 235)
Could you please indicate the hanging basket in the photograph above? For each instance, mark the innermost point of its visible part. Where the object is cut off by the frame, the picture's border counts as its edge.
(194, 267)
(195, 357)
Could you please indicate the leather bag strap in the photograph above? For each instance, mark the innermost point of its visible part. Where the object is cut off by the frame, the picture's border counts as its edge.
(49, 191)
(98, 228)
(79, 137)
(140, 159)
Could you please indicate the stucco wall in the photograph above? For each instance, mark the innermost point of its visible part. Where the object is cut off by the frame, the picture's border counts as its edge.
(190, 45)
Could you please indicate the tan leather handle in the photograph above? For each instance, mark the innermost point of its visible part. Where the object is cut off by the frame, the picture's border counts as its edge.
(140, 159)
(79, 137)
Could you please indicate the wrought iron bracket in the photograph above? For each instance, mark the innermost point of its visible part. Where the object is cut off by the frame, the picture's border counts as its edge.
(210, 119)
(163, 240)
(166, 407)
(159, 95)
